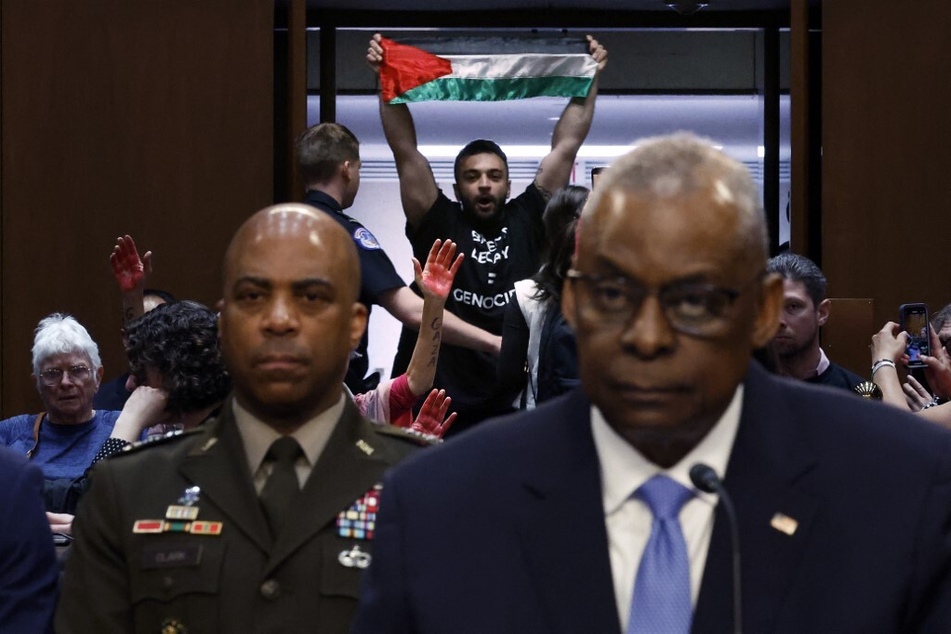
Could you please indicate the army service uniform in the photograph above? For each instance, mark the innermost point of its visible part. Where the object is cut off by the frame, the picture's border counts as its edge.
(143, 562)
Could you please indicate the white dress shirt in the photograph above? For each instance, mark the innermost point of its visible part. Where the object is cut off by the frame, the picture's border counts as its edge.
(628, 519)
(257, 437)
(824, 362)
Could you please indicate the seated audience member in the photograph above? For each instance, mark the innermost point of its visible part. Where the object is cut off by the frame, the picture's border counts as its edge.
(795, 349)
(131, 273)
(392, 400)
(538, 355)
(899, 387)
(28, 569)
(63, 439)
(177, 381)
(174, 357)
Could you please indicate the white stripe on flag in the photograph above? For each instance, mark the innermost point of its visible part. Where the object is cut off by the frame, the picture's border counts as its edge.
(520, 66)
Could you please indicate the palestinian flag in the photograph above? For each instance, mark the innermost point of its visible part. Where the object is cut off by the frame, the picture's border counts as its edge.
(484, 69)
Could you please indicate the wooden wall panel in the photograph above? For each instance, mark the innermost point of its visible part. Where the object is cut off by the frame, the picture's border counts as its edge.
(886, 152)
(148, 117)
(843, 336)
(799, 126)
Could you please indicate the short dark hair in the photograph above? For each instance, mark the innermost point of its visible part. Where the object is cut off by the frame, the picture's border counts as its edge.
(561, 222)
(479, 146)
(180, 341)
(799, 268)
(323, 148)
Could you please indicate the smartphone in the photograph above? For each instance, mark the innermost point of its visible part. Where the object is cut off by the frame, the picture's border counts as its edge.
(914, 321)
(595, 173)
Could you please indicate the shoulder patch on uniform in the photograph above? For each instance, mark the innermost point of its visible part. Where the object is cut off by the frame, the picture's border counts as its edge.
(158, 440)
(407, 434)
(365, 239)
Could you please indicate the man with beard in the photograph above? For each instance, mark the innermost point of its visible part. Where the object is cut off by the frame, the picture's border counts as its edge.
(328, 155)
(500, 238)
(795, 348)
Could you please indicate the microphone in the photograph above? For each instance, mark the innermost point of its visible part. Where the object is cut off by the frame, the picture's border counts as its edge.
(706, 479)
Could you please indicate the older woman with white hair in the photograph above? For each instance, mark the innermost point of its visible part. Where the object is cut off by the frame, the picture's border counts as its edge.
(64, 438)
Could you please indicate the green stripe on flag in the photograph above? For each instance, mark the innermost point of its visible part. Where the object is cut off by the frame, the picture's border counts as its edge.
(455, 89)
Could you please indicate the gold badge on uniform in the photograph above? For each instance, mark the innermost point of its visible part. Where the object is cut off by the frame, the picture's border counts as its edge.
(173, 626)
(784, 524)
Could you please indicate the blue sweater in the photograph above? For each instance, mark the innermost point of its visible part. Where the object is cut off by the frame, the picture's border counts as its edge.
(64, 451)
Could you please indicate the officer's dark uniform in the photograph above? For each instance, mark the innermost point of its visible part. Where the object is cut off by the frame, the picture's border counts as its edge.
(377, 276)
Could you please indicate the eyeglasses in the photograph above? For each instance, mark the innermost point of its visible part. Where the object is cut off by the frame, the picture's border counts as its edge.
(693, 308)
(53, 376)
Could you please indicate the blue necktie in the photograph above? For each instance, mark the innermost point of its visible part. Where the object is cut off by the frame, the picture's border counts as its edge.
(661, 602)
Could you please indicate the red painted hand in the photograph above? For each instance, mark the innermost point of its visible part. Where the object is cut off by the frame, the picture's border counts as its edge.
(431, 414)
(441, 266)
(129, 270)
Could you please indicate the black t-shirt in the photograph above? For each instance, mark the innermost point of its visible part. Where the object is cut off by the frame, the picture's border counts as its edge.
(377, 275)
(496, 257)
(837, 376)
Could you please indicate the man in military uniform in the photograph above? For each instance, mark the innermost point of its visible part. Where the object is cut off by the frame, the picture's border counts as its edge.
(261, 520)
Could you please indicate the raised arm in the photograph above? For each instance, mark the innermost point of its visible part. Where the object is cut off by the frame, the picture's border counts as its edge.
(418, 190)
(888, 345)
(131, 273)
(570, 131)
(407, 307)
(435, 280)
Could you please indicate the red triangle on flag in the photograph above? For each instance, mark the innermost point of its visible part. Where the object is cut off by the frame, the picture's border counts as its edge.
(406, 67)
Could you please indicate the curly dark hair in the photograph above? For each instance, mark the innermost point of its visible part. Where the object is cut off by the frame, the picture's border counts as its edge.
(180, 341)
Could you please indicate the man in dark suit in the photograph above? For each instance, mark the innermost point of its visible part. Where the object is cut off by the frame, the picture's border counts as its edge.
(581, 515)
(220, 530)
(28, 569)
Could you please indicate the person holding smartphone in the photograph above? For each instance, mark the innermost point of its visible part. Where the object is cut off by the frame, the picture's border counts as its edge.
(890, 359)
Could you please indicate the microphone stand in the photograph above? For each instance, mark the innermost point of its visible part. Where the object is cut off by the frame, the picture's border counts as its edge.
(707, 480)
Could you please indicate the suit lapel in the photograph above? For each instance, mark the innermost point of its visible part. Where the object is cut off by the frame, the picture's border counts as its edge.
(218, 465)
(352, 462)
(767, 460)
(564, 538)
